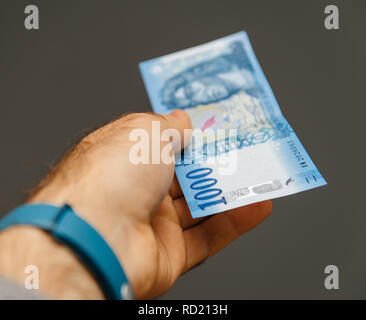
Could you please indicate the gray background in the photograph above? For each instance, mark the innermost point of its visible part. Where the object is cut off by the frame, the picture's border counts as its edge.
(80, 70)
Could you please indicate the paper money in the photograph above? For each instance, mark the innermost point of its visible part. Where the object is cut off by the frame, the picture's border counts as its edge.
(249, 152)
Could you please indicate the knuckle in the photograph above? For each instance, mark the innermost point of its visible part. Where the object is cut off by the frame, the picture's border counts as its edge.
(144, 120)
(146, 117)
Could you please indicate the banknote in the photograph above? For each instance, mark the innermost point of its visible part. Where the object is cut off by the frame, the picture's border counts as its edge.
(243, 150)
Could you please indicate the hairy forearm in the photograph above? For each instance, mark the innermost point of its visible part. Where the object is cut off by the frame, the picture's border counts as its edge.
(61, 274)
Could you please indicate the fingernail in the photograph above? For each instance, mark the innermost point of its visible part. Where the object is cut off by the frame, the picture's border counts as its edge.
(177, 113)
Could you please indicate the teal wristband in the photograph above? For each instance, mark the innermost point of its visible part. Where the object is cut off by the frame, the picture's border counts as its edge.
(71, 230)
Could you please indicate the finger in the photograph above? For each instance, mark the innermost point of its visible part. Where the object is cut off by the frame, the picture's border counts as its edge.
(178, 120)
(209, 237)
(174, 130)
(157, 176)
(184, 215)
(175, 190)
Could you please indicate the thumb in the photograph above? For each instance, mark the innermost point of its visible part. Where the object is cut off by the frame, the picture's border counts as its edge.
(180, 121)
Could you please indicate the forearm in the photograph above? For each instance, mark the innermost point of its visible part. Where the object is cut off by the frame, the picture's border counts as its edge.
(61, 274)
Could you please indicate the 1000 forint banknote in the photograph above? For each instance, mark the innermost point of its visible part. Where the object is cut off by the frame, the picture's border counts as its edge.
(222, 87)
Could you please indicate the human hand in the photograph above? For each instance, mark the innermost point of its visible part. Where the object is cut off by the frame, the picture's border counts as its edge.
(140, 209)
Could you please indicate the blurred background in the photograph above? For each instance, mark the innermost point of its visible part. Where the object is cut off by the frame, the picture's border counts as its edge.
(80, 70)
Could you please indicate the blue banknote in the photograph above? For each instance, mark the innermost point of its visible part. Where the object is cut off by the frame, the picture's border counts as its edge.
(243, 150)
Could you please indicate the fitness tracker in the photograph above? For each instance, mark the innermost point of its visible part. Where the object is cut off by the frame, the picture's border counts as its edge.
(71, 230)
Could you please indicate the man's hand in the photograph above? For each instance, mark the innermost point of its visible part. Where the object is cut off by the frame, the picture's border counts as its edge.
(139, 209)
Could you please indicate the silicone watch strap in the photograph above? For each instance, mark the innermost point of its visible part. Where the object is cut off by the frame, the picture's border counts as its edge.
(68, 228)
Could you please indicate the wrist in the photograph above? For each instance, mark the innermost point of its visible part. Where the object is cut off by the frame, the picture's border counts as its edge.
(60, 273)
(112, 223)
